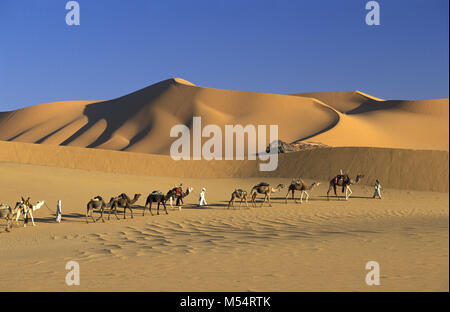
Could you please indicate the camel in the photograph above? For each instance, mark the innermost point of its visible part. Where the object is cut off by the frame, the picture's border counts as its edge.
(95, 203)
(26, 208)
(160, 198)
(123, 201)
(179, 197)
(264, 188)
(7, 213)
(299, 185)
(345, 181)
(238, 194)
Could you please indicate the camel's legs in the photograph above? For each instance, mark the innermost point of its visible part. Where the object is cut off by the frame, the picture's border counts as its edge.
(157, 208)
(127, 206)
(307, 196)
(101, 214)
(349, 191)
(8, 223)
(17, 217)
(165, 208)
(301, 197)
(32, 219)
(150, 208)
(286, 198)
(231, 202)
(293, 197)
(115, 213)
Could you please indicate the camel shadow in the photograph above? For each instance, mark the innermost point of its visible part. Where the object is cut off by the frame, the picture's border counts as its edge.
(342, 197)
(194, 206)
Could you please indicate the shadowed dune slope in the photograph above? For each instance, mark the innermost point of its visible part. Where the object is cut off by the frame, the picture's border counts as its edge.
(141, 121)
(397, 168)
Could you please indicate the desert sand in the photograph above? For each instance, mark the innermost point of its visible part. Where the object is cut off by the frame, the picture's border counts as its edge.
(76, 150)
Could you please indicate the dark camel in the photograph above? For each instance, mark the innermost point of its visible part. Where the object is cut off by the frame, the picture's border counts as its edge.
(344, 181)
(123, 201)
(179, 197)
(160, 198)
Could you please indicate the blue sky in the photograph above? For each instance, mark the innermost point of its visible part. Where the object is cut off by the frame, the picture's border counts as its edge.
(252, 45)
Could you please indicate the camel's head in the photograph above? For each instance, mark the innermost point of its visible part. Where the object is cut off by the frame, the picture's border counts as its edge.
(359, 177)
(280, 186)
(38, 205)
(315, 184)
(137, 196)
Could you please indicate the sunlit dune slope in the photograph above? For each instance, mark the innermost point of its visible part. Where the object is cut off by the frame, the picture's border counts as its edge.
(368, 121)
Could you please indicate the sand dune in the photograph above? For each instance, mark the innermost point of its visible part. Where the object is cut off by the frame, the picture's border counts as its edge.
(141, 121)
(368, 121)
(398, 168)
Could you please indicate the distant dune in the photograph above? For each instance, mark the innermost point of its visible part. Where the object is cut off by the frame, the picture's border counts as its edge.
(368, 121)
(423, 170)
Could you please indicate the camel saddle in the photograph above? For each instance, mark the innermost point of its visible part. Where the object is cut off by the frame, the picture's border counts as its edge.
(157, 193)
(98, 198)
(263, 184)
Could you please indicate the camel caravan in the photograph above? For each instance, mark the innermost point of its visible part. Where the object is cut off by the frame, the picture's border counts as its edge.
(174, 198)
(125, 202)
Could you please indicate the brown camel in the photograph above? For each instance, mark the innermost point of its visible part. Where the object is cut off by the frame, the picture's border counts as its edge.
(238, 194)
(345, 181)
(179, 196)
(6, 213)
(95, 203)
(160, 198)
(299, 185)
(264, 188)
(123, 201)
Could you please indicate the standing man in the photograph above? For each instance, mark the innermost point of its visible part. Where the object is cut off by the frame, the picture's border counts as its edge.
(58, 212)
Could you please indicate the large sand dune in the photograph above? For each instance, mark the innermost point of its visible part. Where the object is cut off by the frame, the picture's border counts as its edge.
(141, 121)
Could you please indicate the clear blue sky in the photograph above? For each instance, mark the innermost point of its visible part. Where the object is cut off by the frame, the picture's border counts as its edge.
(252, 45)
